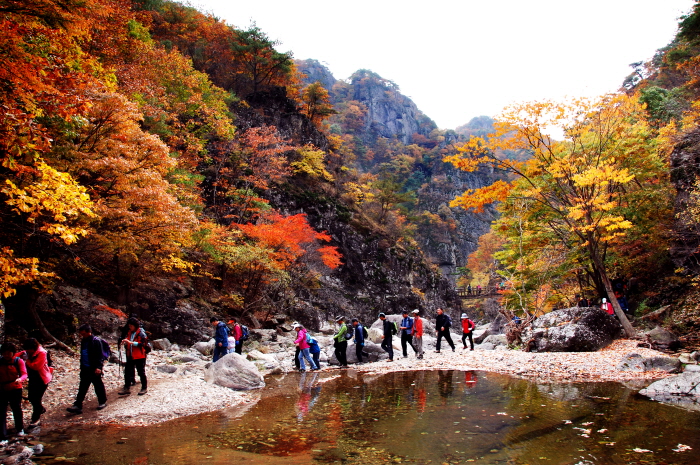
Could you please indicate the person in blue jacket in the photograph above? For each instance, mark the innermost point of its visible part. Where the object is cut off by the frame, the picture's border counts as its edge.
(220, 338)
(359, 340)
(406, 328)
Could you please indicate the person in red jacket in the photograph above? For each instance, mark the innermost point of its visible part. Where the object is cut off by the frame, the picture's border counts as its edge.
(467, 328)
(13, 373)
(237, 333)
(40, 374)
(135, 347)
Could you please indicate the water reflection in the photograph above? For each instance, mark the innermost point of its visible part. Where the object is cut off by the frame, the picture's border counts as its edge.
(421, 417)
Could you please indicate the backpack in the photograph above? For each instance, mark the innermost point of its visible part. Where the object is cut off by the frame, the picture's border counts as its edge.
(147, 347)
(49, 361)
(349, 332)
(245, 333)
(449, 320)
(393, 327)
(106, 350)
(365, 334)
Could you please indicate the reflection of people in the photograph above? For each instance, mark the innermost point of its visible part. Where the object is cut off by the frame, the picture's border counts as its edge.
(445, 383)
(469, 379)
(310, 391)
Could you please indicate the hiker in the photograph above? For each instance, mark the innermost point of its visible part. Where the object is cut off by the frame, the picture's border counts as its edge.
(442, 325)
(467, 328)
(220, 337)
(340, 342)
(417, 334)
(388, 331)
(607, 307)
(92, 359)
(135, 348)
(237, 332)
(13, 373)
(406, 328)
(39, 374)
(469, 289)
(314, 349)
(303, 345)
(359, 340)
(582, 301)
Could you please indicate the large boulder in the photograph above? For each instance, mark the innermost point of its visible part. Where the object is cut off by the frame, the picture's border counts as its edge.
(682, 390)
(636, 363)
(663, 339)
(576, 329)
(375, 351)
(162, 344)
(376, 329)
(205, 348)
(235, 372)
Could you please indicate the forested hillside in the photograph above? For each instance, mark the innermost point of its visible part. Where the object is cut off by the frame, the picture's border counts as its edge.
(611, 209)
(158, 161)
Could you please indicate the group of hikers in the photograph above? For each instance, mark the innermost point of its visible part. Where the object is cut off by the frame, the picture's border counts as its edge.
(410, 330)
(33, 363)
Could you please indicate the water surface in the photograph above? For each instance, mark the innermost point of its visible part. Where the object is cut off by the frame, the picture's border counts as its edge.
(426, 417)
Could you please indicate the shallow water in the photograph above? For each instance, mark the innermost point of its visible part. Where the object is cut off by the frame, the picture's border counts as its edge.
(427, 417)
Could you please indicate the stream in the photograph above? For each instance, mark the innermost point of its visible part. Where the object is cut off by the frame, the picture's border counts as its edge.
(421, 417)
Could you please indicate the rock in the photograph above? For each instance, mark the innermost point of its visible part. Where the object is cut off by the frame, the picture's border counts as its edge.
(692, 368)
(478, 335)
(573, 329)
(235, 372)
(496, 340)
(166, 368)
(657, 316)
(637, 363)
(682, 390)
(695, 355)
(161, 344)
(485, 346)
(186, 358)
(663, 363)
(663, 339)
(205, 348)
(687, 359)
(38, 449)
(633, 363)
(18, 454)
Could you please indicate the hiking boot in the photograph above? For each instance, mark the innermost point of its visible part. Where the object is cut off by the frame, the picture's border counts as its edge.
(124, 392)
(143, 391)
(75, 409)
(101, 406)
(464, 348)
(453, 349)
(437, 351)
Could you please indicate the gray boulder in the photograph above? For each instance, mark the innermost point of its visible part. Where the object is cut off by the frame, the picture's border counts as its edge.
(682, 390)
(235, 372)
(485, 346)
(161, 344)
(573, 329)
(480, 334)
(375, 351)
(639, 364)
(170, 369)
(496, 340)
(185, 358)
(661, 338)
(205, 348)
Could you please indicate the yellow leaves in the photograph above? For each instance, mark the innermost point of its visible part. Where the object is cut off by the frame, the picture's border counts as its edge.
(56, 199)
(17, 271)
(312, 163)
(477, 198)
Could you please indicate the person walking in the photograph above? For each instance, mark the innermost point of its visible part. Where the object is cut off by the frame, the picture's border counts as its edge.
(359, 340)
(13, 373)
(442, 325)
(303, 345)
(417, 333)
(467, 329)
(39, 374)
(406, 329)
(135, 348)
(237, 331)
(388, 331)
(92, 359)
(220, 338)
(340, 342)
(314, 350)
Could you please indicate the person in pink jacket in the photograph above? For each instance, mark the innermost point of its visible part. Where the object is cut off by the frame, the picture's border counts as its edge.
(13, 373)
(303, 345)
(40, 374)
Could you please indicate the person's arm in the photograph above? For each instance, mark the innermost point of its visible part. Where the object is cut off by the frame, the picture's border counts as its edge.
(22, 371)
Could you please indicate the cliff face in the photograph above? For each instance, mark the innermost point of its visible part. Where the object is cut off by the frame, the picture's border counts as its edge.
(685, 168)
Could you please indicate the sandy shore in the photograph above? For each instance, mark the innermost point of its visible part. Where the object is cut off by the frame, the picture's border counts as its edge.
(184, 392)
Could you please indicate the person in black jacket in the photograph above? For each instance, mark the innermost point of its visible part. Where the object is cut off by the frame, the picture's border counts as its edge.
(388, 329)
(91, 364)
(442, 325)
(359, 340)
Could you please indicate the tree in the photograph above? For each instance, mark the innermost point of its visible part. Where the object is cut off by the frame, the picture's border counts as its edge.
(605, 178)
(316, 103)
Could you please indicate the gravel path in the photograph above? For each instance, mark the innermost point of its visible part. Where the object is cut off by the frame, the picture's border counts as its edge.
(184, 392)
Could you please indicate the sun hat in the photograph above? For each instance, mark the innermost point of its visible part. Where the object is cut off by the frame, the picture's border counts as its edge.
(464, 316)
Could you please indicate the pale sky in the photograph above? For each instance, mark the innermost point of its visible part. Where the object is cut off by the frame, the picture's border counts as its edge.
(462, 58)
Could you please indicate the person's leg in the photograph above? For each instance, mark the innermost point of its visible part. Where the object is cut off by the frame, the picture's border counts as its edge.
(403, 343)
(239, 347)
(296, 358)
(130, 369)
(302, 366)
(358, 352)
(418, 344)
(85, 381)
(448, 338)
(141, 369)
(390, 347)
(307, 356)
(343, 359)
(15, 398)
(35, 393)
(439, 339)
(471, 341)
(317, 359)
(4, 400)
(464, 342)
(99, 386)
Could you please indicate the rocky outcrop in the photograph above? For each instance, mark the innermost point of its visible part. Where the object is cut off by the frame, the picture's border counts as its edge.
(662, 339)
(574, 329)
(639, 364)
(685, 168)
(682, 390)
(235, 372)
(315, 72)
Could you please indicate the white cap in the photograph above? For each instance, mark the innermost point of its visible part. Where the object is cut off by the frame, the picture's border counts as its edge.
(464, 316)
(416, 311)
(296, 325)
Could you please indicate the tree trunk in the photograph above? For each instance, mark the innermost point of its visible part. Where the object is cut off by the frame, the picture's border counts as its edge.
(626, 325)
(40, 325)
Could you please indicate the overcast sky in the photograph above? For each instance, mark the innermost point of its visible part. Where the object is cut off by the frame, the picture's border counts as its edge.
(462, 58)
